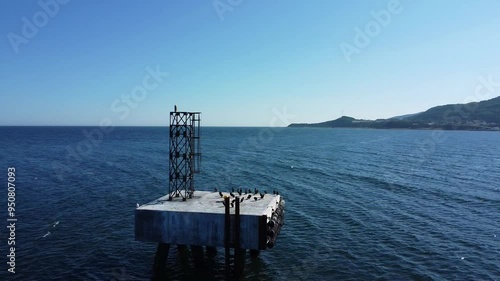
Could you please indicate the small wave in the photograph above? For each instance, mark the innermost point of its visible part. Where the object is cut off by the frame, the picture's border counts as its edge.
(46, 234)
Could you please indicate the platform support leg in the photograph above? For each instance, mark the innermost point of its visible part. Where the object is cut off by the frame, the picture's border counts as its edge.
(197, 253)
(239, 262)
(239, 253)
(182, 249)
(160, 262)
(211, 251)
(227, 238)
(254, 254)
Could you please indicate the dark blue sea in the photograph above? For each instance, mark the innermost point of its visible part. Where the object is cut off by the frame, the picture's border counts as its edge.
(360, 204)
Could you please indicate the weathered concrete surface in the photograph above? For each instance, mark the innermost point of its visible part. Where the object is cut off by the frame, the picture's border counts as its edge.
(200, 220)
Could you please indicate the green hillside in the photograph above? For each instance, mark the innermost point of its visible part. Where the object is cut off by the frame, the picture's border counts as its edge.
(484, 111)
(484, 115)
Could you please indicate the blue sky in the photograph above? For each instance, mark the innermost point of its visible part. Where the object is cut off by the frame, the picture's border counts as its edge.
(240, 61)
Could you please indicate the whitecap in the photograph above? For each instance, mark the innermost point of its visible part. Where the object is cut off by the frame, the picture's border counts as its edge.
(47, 234)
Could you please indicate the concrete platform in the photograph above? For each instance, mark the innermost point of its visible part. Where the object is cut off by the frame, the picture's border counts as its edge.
(200, 220)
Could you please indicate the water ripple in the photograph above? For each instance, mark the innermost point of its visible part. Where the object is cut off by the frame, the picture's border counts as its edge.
(361, 204)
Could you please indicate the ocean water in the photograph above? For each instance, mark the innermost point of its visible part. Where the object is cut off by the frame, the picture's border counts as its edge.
(361, 204)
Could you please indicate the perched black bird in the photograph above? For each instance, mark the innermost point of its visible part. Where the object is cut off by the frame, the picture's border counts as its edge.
(255, 198)
(249, 196)
(274, 191)
(277, 193)
(262, 195)
(242, 198)
(232, 189)
(265, 192)
(232, 201)
(215, 189)
(255, 190)
(220, 193)
(223, 203)
(230, 193)
(232, 205)
(239, 192)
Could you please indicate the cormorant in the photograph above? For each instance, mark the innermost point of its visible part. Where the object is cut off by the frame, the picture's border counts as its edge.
(220, 193)
(249, 196)
(215, 189)
(242, 198)
(230, 193)
(255, 198)
(262, 195)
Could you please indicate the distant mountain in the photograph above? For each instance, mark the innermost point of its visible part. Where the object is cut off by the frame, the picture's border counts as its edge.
(343, 121)
(484, 111)
(484, 115)
(402, 117)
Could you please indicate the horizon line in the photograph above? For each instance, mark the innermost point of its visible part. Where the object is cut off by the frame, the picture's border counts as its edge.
(166, 126)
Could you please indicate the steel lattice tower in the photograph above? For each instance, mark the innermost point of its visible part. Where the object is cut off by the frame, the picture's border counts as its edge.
(185, 153)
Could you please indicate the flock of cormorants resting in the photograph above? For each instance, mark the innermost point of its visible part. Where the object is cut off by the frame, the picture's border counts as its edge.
(240, 192)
